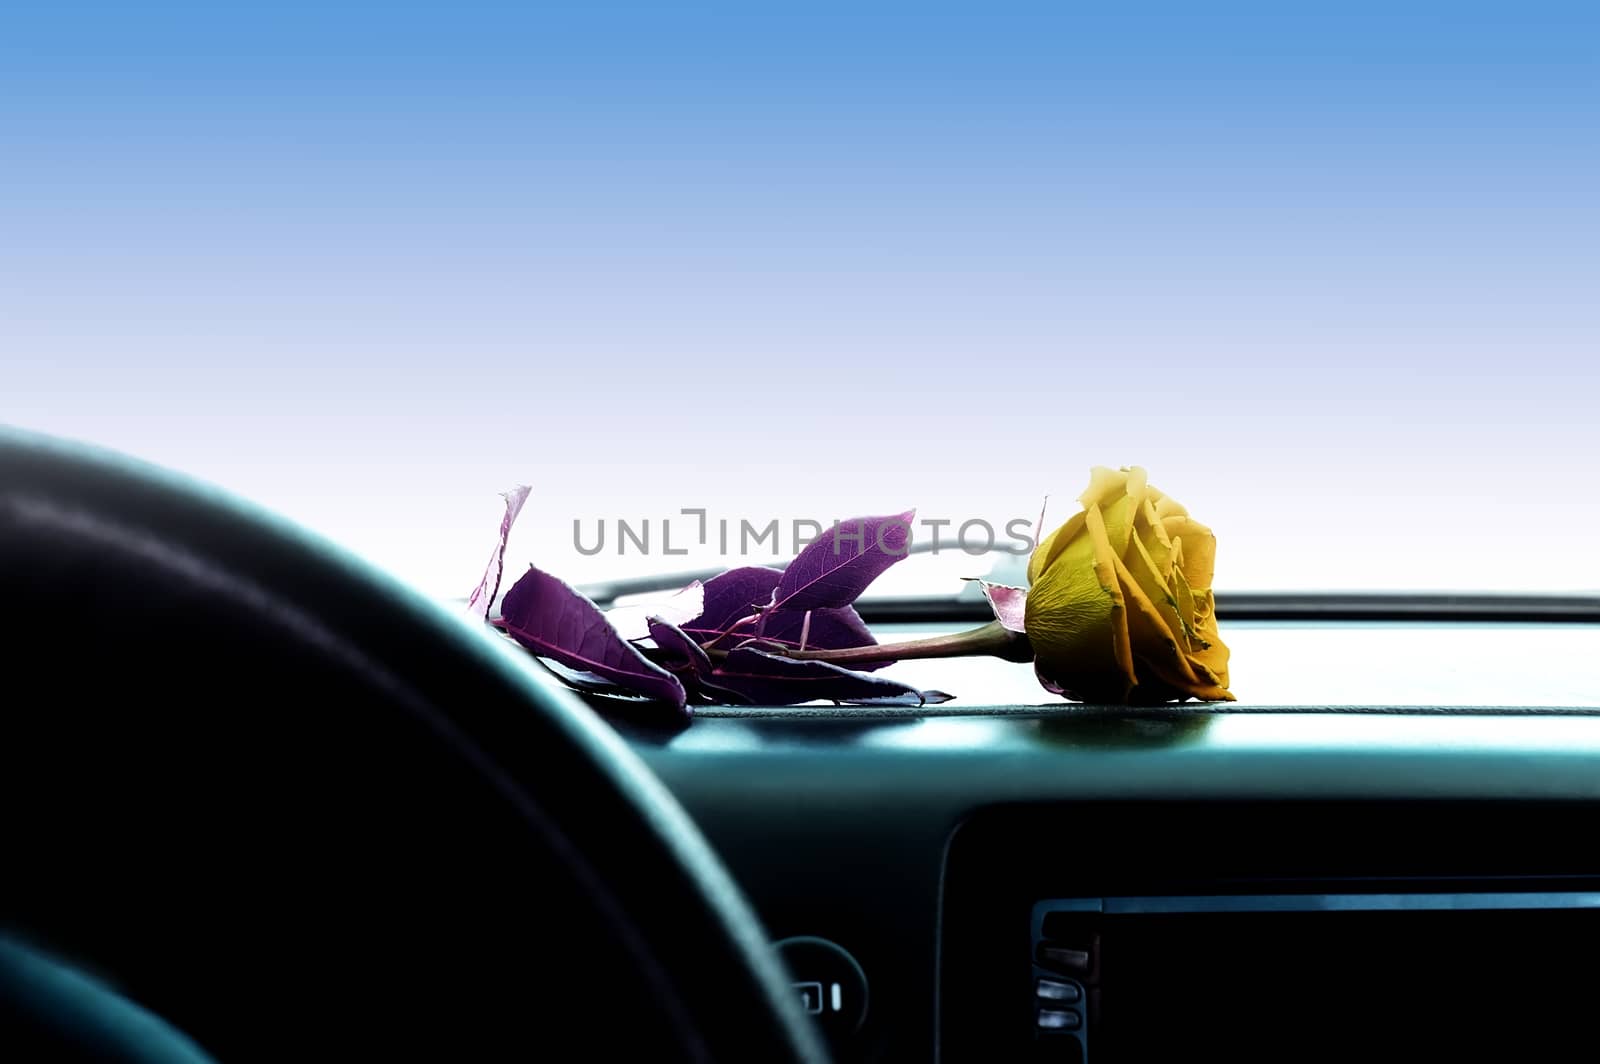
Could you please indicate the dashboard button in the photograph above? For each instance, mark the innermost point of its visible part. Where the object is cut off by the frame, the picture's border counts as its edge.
(1063, 958)
(831, 986)
(1059, 1020)
(810, 997)
(1056, 990)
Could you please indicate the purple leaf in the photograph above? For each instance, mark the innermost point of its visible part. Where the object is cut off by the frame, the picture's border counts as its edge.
(1009, 604)
(549, 618)
(583, 681)
(909, 698)
(826, 629)
(738, 594)
(732, 596)
(482, 596)
(680, 654)
(833, 629)
(771, 680)
(633, 622)
(839, 564)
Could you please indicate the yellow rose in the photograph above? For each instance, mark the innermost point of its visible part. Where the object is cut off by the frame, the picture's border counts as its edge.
(1120, 608)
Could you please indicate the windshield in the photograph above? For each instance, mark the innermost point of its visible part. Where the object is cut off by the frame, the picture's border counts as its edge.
(1327, 276)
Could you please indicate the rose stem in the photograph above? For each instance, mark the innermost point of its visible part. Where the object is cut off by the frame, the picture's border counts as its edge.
(992, 638)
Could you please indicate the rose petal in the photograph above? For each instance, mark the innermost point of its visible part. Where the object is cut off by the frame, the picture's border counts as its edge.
(1104, 484)
(1153, 537)
(1167, 506)
(1160, 651)
(1070, 618)
(1211, 653)
(1116, 514)
(1050, 548)
(1199, 549)
(1160, 594)
(1138, 483)
(1105, 571)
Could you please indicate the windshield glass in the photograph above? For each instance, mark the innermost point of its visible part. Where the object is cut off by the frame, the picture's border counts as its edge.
(1327, 276)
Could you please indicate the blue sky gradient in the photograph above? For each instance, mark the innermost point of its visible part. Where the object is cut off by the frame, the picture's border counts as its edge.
(1328, 271)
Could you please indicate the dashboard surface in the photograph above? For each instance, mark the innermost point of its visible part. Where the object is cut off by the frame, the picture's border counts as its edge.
(902, 834)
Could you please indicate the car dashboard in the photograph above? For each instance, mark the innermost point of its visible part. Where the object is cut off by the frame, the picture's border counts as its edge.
(1376, 881)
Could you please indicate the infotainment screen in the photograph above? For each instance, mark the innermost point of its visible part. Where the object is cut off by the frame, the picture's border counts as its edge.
(1296, 977)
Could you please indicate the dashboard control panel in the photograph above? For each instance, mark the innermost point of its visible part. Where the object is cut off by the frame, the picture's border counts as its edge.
(1136, 977)
(831, 985)
(1328, 931)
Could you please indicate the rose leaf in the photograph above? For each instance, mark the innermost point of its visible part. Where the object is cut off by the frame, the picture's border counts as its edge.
(1009, 604)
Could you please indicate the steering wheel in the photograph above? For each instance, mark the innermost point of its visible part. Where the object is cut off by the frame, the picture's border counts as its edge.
(263, 792)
